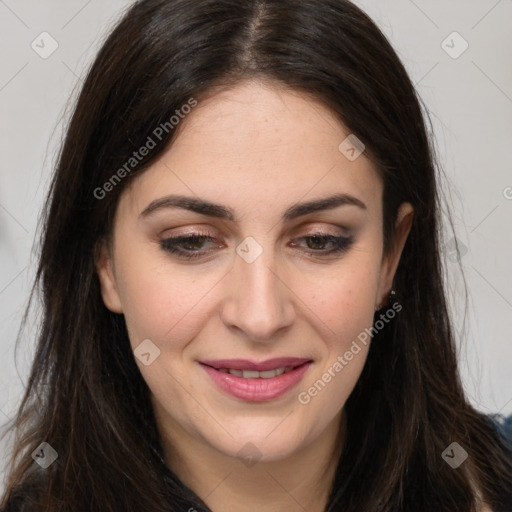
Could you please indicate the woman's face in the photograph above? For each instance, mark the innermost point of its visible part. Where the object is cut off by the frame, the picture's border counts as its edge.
(268, 282)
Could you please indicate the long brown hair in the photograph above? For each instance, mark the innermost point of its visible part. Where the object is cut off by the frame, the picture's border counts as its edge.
(86, 397)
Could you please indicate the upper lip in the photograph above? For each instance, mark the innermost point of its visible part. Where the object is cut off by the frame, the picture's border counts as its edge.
(246, 364)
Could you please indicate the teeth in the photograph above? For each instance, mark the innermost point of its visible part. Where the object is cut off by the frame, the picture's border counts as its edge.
(253, 374)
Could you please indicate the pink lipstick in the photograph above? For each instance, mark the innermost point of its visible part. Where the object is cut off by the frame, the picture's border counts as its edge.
(256, 381)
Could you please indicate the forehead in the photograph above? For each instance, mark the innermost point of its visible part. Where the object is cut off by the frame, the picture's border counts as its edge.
(262, 145)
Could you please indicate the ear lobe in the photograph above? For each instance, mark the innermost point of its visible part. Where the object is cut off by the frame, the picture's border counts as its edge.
(107, 279)
(390, 263)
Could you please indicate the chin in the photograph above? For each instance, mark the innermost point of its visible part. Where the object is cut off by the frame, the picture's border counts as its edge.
(258, 444)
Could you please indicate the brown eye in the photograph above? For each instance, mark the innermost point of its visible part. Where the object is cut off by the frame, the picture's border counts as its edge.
(192, 246)
(316, 244)
(186, 246)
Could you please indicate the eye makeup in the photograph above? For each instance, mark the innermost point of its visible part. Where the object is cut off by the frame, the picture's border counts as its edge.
(191, 246)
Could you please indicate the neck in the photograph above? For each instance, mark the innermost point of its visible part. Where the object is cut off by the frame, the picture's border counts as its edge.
(299, 482)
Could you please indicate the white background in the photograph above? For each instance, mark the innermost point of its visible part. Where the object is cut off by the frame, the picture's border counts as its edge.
(469, 98)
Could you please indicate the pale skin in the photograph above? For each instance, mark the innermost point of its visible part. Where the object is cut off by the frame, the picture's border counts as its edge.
(258, 150)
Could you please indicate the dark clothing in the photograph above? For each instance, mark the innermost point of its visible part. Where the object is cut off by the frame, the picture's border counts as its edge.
(503, 425)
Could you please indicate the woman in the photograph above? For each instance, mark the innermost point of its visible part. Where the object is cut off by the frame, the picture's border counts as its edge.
(240, 271)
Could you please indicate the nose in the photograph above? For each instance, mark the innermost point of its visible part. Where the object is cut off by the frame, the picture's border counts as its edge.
(259, 300)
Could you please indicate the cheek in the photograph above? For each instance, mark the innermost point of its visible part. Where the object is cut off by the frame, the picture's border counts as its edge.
(344, 301)
(161, 304)
(342, 308)
(345, 310)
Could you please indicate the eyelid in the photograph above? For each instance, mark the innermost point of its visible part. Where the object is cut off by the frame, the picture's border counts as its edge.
(320, 228)
(310, 229)
(339, 231)
(187, 232)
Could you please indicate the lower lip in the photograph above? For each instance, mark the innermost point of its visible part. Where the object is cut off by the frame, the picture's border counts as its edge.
(257, 390)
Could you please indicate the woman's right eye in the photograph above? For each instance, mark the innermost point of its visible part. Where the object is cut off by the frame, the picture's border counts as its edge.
(186, 246)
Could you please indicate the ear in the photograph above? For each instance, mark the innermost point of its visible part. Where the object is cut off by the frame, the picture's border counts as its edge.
(104, 269)
(390, 262)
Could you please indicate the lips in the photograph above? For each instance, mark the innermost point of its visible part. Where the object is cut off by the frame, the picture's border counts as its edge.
(256, 381)
(254, 374)
(245, 364)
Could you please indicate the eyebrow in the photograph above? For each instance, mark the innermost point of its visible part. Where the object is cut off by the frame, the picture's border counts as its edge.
(210, 209)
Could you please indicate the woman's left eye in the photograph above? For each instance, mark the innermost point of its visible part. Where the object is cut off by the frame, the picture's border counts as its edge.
(191, 246)
(339, 244)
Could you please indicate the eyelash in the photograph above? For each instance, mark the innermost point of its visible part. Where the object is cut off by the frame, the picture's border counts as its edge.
(171, 245)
